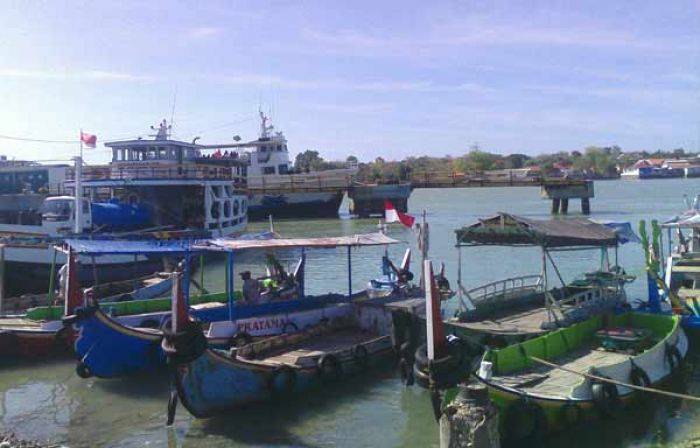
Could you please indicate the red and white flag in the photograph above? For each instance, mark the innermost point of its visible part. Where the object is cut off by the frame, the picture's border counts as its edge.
(393, 215)
(89, 140)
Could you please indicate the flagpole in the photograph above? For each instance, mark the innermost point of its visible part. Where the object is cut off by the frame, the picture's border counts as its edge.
(78, 227)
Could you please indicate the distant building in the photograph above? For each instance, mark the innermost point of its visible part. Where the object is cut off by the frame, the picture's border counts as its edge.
(654, 168)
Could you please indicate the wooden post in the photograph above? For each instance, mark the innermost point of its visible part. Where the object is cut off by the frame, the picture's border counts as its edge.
(229, 284)
(52, 280)
(586, 206)
(349, 272)
(186, 279)
(555, 206)
(2, 277)
(303, 273)
(564, 206)
(201, 273)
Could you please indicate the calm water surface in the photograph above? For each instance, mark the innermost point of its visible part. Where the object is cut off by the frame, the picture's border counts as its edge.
(51, 402)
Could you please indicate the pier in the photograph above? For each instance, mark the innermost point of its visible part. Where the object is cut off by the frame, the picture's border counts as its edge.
(558, 190)
(560, 193)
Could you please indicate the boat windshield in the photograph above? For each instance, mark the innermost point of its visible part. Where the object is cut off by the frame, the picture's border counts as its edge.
(57, 210)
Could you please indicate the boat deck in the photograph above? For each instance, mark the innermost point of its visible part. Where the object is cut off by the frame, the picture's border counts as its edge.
(305, 351)
(522, 322)
(19, 323)
(546, 381)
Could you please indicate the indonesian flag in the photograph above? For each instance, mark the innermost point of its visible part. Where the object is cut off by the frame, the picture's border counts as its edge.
(89, 140)
(393, 215)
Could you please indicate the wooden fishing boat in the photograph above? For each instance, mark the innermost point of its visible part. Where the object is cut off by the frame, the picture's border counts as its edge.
(209, 381)
(550, 382)
(22, 337)
(40, 332)
(142, 288)
(523, 307)
(108, 348)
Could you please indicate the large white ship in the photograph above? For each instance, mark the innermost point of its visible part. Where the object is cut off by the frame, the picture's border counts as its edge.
(152, 188)
(276, 189)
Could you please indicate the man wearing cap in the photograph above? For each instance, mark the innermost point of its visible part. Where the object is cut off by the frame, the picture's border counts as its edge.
(251, 288)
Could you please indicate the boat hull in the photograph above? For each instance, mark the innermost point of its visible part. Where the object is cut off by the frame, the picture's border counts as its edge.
(557, 412)
(113, 348)
(295, 205)
(35, 264)
(214, 383)
(33, 344)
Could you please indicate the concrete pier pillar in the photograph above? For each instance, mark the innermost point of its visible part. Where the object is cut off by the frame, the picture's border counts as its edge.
(555, 206)
(564, 206)
(470, 421)
(586, 206)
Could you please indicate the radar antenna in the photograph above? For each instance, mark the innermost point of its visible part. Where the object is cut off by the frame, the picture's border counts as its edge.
(265, 129)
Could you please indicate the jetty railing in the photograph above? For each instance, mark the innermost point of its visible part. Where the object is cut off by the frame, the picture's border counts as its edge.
(509, 288)
(301, 182)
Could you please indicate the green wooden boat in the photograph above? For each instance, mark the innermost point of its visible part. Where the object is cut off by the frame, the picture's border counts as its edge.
(634, 348)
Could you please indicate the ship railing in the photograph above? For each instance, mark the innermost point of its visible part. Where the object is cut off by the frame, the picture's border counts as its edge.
(507, 289)
(199, 172)
(593, 293)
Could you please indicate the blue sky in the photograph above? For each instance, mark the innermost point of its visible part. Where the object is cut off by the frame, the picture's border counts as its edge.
(367, 78)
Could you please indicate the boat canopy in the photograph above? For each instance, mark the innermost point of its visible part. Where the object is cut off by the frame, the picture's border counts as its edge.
(505, 229)
(367, 239)
(686, 220)
(112, 247)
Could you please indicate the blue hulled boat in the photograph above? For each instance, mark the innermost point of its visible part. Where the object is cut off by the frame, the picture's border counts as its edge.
(107, 346)
(209, 381)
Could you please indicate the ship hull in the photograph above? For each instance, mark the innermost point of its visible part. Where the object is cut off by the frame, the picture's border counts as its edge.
(27, 269)
(295, 205)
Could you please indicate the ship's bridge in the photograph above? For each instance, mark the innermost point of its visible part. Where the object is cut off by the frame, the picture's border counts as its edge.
(164, 162)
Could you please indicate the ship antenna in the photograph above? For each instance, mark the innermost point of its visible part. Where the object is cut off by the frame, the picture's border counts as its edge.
(172, 110)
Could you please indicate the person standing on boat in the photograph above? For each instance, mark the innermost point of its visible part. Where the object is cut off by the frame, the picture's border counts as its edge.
(251, 288)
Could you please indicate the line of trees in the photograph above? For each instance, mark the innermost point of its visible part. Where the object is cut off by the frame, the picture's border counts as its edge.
(592, 162)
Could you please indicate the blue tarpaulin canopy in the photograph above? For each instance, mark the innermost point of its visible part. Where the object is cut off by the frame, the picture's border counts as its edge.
(623, 229)
(144, 247)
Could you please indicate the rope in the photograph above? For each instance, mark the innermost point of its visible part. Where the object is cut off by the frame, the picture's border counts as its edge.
(616, 382)
(37, 140)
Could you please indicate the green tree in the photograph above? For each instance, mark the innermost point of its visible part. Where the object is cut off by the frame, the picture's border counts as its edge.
(308, 161)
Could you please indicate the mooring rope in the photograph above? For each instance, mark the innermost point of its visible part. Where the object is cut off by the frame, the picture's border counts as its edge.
(616, 382)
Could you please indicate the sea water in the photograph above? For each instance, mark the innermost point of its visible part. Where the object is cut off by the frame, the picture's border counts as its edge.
(49, 401)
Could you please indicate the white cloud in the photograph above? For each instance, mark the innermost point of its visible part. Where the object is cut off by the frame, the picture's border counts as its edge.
(204, 32)
(77, 75)
(343, 84)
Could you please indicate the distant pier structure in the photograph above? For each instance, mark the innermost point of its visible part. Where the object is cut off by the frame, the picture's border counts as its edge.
(561, 191)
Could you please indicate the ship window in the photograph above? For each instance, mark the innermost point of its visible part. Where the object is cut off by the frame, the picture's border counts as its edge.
(279, 148)
(283, 169)
(227, 209)
(269, 170)
(235, 207)
(215, 210)
(244, 205)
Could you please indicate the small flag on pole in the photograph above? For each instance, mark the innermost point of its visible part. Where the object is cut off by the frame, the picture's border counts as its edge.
(89, 140)
(393, 215)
